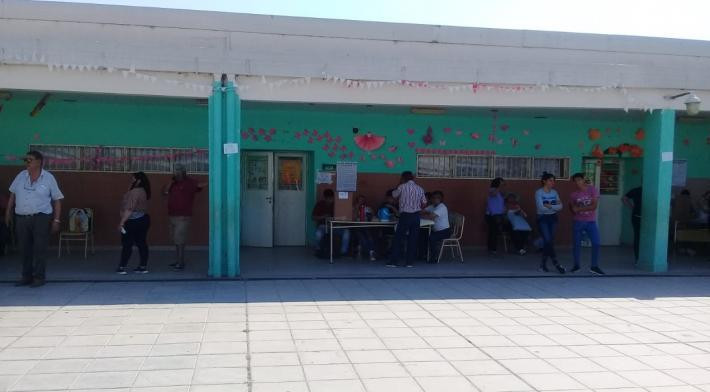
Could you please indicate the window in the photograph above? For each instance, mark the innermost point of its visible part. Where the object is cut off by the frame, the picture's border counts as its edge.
(489, 166)
(513, 167)
(473, 166)
(121, 159)
(434, 166)
(557, 166)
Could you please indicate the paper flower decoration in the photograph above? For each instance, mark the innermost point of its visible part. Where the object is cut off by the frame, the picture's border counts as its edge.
(640, 134)
(389, 164)
(475, 136)
(594, 134)
(636, 152)
(369, 141)
(429, 137)
(597, 152)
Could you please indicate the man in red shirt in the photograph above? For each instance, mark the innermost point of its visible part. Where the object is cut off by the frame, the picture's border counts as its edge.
(181, 196)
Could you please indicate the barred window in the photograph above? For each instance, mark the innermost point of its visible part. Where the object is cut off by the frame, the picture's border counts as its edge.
(434, 166)
(559, 167)
(489, 166)
(121, 158)
(468, 166)
(515, 168)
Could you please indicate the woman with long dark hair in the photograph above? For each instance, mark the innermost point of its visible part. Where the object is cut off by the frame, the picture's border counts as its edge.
(135, 222)
(548, 205)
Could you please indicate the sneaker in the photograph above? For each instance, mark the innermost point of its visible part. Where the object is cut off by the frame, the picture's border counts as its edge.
(391, 265)
(121, 270)
(179, 267)
(372, 256)
(596, 271)
(543, 268)
(173, 264)
(140, 270)
(560, 269)
(522, 252)
(410, 265)
(574, 269)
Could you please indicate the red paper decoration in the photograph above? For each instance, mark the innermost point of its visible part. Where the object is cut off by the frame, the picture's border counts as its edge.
(369, 141)
(597, 152)
(640, 134)
(594, 134)
(429, 137)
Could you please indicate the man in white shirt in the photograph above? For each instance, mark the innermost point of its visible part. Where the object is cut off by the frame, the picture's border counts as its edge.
(441, 230)
(35, 200)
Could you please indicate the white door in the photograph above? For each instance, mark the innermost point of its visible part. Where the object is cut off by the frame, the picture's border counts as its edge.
(610, 185)
(290, 200)
(257, 212)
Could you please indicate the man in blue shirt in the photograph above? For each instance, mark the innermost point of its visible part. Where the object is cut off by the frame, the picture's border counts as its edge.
(35, 200)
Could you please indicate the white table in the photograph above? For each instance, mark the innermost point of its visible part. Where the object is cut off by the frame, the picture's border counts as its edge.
(335, 224)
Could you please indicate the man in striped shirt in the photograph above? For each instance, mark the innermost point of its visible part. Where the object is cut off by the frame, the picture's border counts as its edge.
(411, 201)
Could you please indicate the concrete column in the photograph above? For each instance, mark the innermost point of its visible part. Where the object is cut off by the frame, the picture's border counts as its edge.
(657, 176)
(224, 170)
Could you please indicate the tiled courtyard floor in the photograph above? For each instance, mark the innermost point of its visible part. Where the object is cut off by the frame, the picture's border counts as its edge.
(497, 334)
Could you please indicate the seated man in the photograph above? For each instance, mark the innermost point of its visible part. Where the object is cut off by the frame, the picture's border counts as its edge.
(323, 210)
(441, 230)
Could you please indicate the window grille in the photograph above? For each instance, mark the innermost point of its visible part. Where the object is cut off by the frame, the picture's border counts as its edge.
(434, 166)
(514, 168)
(121, 158)
(559, 167)
(473, 166)
(486, 166)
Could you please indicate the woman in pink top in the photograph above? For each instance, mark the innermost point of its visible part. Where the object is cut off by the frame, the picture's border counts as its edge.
(583, 203)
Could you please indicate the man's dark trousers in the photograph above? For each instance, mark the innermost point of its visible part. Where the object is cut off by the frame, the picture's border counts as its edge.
(33, 237)
(407, 226)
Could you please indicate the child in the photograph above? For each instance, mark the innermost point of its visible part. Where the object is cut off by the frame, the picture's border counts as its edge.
(517, 218)
(583, 204)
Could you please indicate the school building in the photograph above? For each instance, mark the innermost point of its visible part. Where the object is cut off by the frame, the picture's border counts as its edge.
(267, 106)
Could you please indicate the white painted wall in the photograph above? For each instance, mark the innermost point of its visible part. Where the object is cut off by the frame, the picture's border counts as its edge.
(175, 43)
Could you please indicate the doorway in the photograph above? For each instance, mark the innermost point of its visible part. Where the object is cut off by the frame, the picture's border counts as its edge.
(607, 174)
(273, 211)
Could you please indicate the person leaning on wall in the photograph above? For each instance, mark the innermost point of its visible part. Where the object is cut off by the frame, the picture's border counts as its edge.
(36, 205)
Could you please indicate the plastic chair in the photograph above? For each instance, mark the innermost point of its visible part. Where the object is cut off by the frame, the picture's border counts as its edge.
(454, 242)
(80, 229)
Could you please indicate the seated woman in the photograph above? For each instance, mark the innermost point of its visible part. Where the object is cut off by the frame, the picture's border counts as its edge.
(516, 216)
(363, 213)
(441, 230)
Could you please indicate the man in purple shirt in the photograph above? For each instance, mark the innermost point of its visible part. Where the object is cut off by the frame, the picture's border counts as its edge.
(583, 203)
(411, 201)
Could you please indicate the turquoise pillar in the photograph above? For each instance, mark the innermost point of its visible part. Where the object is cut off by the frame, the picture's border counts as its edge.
(657, 176)
(224, 181)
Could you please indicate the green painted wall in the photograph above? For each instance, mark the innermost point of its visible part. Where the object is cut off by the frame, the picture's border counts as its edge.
(274, 127)
(692, 142)
(101, 120)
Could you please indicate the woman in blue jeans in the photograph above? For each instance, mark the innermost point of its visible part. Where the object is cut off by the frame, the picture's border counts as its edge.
(548, 205)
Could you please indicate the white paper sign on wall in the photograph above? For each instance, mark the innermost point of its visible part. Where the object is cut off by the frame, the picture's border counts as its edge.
(231, 148)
